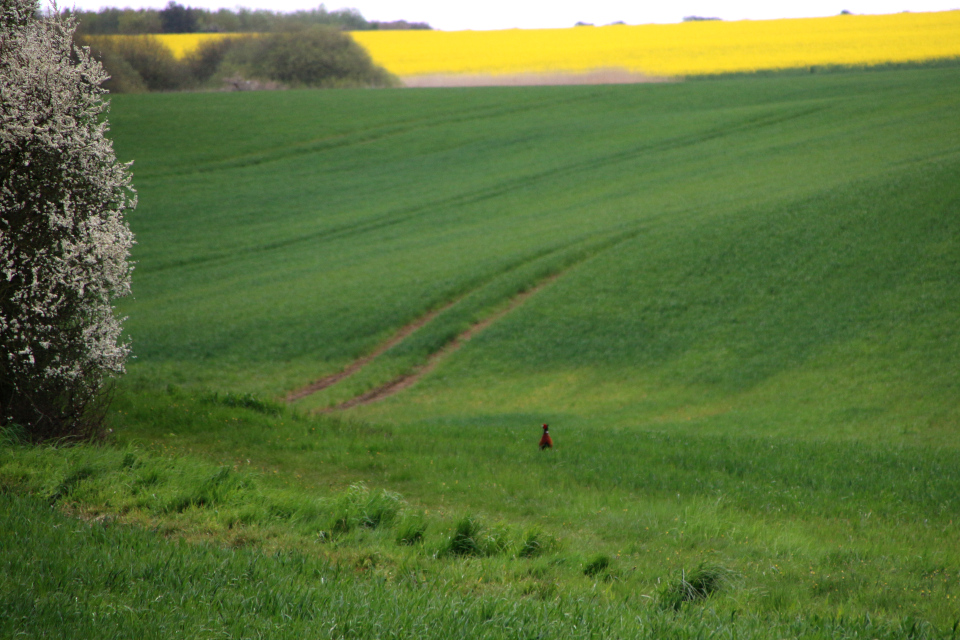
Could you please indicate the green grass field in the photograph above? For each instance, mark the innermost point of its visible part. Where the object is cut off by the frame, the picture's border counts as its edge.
(741, 324)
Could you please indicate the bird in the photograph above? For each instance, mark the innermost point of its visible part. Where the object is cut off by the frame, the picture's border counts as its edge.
(546, 442)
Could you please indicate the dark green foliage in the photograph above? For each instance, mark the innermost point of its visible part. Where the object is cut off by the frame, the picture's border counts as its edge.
(246, 401)
(304, 57)
(124, 78)
(138, 63)
(314, 57)
(175, 18)
(12, 434)
(599, 564)
(204, 62)
(153, 62)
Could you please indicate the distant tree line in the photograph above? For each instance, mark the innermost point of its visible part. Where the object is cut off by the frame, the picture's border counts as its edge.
(176, 18)
(315, 56)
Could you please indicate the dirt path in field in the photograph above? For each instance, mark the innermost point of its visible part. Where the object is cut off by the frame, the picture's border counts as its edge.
(399, 384)
(356, 365)
(597, 76)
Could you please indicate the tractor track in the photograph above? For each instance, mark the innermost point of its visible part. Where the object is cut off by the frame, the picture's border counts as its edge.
(407, 380)
(356, 365)
(411, 377)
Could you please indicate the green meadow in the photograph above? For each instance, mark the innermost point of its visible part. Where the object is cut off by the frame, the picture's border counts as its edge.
(736, 302)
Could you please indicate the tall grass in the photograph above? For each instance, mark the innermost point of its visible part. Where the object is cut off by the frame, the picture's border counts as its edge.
(807, 526)
(69, 578)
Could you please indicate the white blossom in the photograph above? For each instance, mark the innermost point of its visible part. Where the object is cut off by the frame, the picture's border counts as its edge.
(64, 244)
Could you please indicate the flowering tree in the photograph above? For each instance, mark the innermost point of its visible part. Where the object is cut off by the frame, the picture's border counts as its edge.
(64, 245)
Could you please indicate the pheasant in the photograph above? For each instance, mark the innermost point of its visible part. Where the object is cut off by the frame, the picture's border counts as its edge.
(546, 442)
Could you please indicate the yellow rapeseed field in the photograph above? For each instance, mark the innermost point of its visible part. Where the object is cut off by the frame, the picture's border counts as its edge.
(690, 48)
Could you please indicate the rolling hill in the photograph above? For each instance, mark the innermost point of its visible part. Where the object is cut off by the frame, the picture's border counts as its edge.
(735, 301)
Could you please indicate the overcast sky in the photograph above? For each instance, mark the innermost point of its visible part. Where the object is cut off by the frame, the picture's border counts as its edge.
(528, 14)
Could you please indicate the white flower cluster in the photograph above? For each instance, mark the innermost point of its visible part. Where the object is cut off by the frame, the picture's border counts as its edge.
(64, 245)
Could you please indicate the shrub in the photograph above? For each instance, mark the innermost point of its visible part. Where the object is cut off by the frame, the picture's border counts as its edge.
(205, 61)
(123, 77)
(151, 61)
(63, 240)
(315, 57)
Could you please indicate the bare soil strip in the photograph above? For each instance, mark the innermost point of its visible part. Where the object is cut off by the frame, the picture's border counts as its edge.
(356, 365)
(400, 335)
(399, 384)
(597, 76)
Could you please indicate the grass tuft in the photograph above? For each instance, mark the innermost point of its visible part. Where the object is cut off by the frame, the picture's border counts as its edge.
(535, 542)
(246, 401)
(471, 537)
(597, 565)
(69, 483)
(411, 528)
(360, 507)
(12, 434)
(465, 540)
(213, 491)
(693, 586)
